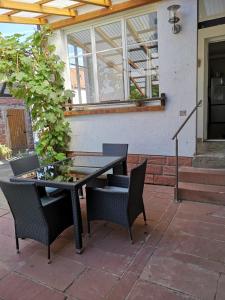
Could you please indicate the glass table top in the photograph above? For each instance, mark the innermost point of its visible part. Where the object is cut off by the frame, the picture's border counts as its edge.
(70, 170)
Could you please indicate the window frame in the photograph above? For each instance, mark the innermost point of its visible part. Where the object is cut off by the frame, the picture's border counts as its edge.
(91, 25)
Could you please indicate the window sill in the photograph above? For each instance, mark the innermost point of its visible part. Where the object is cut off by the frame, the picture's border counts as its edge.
(153, 104)
(114, 110)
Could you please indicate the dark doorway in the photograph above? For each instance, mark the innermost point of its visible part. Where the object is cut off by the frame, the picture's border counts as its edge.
(216, 101)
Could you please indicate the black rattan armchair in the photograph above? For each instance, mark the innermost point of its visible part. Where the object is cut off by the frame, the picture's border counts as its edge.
(24, 164)
(29, 163)
(115, 150)
(120, 202)
(35, 217)
(111, 150)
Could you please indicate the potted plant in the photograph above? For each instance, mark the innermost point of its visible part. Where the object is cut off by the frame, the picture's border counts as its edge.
(137, 97)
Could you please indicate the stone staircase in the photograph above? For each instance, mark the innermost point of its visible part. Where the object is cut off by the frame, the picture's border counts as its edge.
(202, 185)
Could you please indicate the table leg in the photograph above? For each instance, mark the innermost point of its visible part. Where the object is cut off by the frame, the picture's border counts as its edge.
(77, 219)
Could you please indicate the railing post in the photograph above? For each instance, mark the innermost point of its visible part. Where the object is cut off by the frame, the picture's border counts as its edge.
(177, 166)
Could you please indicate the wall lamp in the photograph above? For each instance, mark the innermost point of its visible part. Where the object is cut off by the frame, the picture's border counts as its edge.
(173, 18)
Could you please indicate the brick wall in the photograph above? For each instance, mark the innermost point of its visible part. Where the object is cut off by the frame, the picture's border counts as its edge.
(160, 169)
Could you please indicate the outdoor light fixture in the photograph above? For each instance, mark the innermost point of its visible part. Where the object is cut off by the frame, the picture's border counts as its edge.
(173, 18)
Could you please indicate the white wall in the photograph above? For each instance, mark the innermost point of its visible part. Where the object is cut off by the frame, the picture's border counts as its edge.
(151, 132)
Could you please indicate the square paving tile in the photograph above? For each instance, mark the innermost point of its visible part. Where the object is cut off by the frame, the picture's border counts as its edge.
(173, 272)
(148, 291)
(92, 284)
(16, 287)
(122, 288)
(59, 274)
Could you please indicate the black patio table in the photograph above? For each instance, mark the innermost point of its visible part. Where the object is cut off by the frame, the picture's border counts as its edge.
(71, 174)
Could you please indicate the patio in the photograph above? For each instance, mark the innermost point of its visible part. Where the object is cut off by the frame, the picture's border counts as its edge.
(181, 256)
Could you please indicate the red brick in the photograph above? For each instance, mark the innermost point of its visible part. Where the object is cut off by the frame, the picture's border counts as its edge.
(183, 161)
(164, 180)
(169, 170)
(154, 169)
(143, 157)
(149, 178)
(157, 160)
(134, 159)
(131, 166)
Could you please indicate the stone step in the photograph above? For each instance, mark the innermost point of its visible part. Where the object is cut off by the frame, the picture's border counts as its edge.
(214, 160)
(197, 192)
(202, 175)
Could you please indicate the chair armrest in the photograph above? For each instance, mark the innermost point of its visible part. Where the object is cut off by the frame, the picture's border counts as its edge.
(118, 180)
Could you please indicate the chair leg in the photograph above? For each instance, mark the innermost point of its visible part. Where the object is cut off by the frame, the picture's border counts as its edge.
(130, 233)
(144, 215)
(88, 228)
(17, 245)
(49, 255)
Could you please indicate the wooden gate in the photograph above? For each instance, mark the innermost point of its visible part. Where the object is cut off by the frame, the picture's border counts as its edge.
(17, 129)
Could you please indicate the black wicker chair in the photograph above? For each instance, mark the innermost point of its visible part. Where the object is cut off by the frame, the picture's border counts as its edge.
(29, 163)
(110, 150)
(24, 164)
(35, 217)
(115, 150)
(120, 201)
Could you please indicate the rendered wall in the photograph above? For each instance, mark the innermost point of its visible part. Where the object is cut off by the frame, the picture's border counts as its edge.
(151, 132)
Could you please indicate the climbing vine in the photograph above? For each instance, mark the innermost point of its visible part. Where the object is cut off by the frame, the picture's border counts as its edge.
(34, 72)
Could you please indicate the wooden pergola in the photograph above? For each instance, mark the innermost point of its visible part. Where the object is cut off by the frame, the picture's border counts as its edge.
(61, 13)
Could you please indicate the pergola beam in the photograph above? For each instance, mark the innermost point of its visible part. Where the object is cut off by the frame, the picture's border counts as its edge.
(38, 8)
(12, 12)
(115, 8)
(20, 20)
(104, 3)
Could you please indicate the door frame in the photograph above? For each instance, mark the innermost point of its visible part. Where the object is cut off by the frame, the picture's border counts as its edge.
(205, 37)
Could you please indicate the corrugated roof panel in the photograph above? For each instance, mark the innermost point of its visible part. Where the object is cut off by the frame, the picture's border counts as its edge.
(25, 14)
(81, 39)
(3, 11)
(142, 28)
(60, 3)
(105, 36)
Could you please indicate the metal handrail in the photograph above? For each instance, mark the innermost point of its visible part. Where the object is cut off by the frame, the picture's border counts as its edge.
(175, 137)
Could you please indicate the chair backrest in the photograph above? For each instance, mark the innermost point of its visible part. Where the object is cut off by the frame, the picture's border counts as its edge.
(115, 149)
(137, 180)
(24, 164)
(24, 202)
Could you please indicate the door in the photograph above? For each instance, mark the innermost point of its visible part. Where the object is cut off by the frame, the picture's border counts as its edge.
(17, 129)
(216, 91)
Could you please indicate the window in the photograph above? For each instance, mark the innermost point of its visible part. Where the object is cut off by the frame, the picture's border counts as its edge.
(115, 61)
